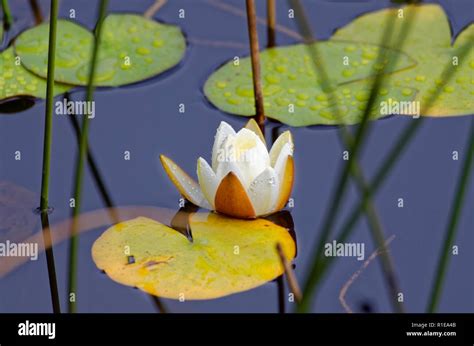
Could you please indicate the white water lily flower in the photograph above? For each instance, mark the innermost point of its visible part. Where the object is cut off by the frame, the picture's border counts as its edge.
(244, 180)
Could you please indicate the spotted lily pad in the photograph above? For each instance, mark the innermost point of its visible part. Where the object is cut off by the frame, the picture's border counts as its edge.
(132, 49)
(226, 256)
(350, 100)
(428, 42)
(291, 89)
(15, 80)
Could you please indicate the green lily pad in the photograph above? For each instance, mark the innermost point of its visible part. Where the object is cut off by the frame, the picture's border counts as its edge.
(226, 256)
(351, 101)
(132, 49)
(289, 81)
(15, 80)
(428, 42)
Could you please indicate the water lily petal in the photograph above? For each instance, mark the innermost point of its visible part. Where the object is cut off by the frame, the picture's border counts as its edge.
(207, 180)
(232, 198)
(253, 126)
(223, 131)
(225, 168)
(282, 140)
(186, 185)
(248, 152)
(286, 174)
(264, 191)
(286, 150)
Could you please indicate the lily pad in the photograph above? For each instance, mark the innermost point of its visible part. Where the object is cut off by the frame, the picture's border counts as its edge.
(428, 42)
(15, 80)
(132, 49)
(291, 90)
(351, 101)
(226, 256)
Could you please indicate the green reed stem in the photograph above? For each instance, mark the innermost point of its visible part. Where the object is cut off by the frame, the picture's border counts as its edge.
(73, 245)
(45, 175)
(7, 14)
(377, 232)
(462, 186)
(380, 176)
(351, 168)
(104, 193)
(393, 157)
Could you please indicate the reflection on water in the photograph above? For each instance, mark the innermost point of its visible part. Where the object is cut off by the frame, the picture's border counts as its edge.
(17, 220)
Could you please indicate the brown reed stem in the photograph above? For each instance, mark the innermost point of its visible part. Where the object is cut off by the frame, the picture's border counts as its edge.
(290, 274)
(255, 57)
(271, 23)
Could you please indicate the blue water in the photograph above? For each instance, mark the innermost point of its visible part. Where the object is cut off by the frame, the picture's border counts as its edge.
(144, 120)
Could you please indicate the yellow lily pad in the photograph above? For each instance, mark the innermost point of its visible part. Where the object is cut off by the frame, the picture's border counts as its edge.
(226, 256)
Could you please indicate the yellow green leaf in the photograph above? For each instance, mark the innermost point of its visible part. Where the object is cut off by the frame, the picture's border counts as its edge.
(133, 48)
(429, 43)
(292, 89)
(226, 256)
(15, 80)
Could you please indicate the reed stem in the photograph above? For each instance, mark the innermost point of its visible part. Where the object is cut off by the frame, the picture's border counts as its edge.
(151, 11)
(280, 294)
(7, 15)
(271, 23)
(290, 274)
(158, 304)
(255, 57)
(461, 189)
(47, 142)
(237, 11)
(73, 245)
(393, 156)
(350, 169)
(104, 193)
(36, 11)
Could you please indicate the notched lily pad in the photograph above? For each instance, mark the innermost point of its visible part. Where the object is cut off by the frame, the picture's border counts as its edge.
(291, 89)
(226, 256)
(428, 42)
(132, 49)
(15, 80)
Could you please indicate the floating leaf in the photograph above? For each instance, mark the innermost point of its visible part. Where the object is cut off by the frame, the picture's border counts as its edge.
(428, 42)
(15, 80)
(291, 89)
(132, 49)
(351, 101)
(226, 256)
